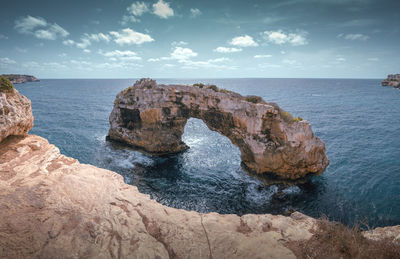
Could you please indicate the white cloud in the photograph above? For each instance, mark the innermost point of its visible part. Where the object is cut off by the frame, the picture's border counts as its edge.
(269, 65)
(84, 43)
(211, 63)
(128, 36)
(355, 36)
(290, 62)
(98, 37)
(184, 56)
(243, 41)
(138, 8)
(263, 56)
(280, 37)
(162, 9)
(135, 10)
(129, 18)
(180, 53)
(7, 61)
(169, 65)
(39, 27)
(122, 55)
(194, 12)
(373, 59)
(3, 37)
(27, 24)
(340, 59)
(179, 43)
(44, 34)
(87, 50)
(69, 42)
(227, 50)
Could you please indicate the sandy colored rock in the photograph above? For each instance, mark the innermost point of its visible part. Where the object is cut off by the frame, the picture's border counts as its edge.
(15, 114)
(51, 206)
(153, 117)
(386, 233)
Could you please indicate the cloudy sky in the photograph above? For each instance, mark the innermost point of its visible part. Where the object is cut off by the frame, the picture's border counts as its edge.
(200, 39)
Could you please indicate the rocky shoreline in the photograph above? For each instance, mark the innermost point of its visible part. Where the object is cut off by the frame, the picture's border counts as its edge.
(392, 80)
(20, 79)
(52, 206)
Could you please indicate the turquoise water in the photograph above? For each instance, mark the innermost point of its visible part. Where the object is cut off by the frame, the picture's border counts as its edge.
(358, 119)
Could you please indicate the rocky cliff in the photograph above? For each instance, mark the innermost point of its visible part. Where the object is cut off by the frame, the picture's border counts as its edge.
(19, 79)
(51, 206)
(15, 111)
(153, 117)
(392, 80)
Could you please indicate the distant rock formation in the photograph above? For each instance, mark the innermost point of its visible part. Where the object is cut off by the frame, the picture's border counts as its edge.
(392, 80)
(153, 117)
(19, 79)
(15, 111)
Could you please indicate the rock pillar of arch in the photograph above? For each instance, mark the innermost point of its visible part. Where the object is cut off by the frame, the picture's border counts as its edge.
(153, 117)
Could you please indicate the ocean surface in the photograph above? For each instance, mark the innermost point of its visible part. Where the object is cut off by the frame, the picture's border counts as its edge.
(358, 119)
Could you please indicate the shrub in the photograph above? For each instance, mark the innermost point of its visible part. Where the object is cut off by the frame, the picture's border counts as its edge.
(5, 85)
(254, 99)
(297, 119)
(334, 240)
(286, 116)
(222, 90)
(213, 87)
(200, 85)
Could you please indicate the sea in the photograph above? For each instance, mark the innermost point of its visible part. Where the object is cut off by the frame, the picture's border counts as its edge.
(358, 119)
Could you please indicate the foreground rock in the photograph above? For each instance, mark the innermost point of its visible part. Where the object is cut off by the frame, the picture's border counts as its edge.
(153, 117)
(19, 79)
(392, 80)
(15, 112)
(51, 206)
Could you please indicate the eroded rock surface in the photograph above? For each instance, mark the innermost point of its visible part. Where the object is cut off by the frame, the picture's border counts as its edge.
(391, 233)
(51, 206)
(153, 117)
(15, 114)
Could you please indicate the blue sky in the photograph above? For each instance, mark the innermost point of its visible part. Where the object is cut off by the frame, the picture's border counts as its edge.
(200, 39)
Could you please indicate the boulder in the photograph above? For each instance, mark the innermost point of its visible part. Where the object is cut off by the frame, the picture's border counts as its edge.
(15, 113)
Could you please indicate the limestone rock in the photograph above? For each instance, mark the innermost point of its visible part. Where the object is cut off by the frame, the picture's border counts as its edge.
(392, 80)
(15, 114)
(387, 233)
(153, 117)
(51, 206)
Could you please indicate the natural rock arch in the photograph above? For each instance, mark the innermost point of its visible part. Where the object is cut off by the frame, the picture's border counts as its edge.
(153, 117)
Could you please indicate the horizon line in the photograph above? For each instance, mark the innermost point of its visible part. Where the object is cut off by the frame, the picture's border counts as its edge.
(197, 78)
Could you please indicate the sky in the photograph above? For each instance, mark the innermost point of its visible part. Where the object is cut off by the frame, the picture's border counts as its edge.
(200, 39)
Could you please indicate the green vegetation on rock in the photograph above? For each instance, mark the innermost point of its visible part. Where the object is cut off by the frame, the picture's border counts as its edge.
(213, 87)
(200, 85)
(5, 85)
(254, 99)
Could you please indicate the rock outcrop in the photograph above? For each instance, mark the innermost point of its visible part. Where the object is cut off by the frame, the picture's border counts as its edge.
(51, 206)
(153, 117)
(15, 114)
(392, 80)
(19, 79)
